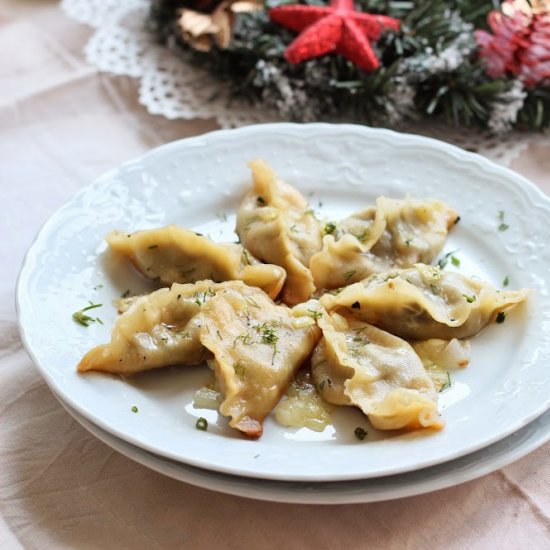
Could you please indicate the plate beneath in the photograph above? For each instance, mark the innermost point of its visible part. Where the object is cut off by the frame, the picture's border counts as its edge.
(442, 476)
(199, 183)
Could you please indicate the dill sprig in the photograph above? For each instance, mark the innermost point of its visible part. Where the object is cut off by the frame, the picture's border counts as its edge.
(81, 318)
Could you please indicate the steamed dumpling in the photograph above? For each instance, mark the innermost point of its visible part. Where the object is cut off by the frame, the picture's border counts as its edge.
(394, 234)
(275, 223)
(176, 255)
(159, 329)
(424, 302)
(358, 364)
(257, 346)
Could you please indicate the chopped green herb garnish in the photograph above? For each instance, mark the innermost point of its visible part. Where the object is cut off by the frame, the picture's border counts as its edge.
(349, 274)
(408, 242)
(391, 276)
(321, 385)
(502, 226)
(201, 424)
(447, 384)
(268, 337)
(315, 314)
(239, 370)
(252, 302)
(200, 298)
(435, 289)
(442, 263)
(153, 246)
(135, 409)
(222, 216)
(506, 281)
(126, 293)
(97, 287)
(501, 317)
(330, 227)
(312, 213)
(470, 299)
(362, 237)
(293, 228)
(360, 433)
(183, 334)
(335, 291)
(246, 256)
(244, 338)
(85, 320)
(267, 333)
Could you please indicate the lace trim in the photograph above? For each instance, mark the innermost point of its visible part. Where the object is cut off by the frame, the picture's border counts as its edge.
(173, 88)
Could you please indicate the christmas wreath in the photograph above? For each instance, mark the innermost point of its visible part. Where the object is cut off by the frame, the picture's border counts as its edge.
(378, 62)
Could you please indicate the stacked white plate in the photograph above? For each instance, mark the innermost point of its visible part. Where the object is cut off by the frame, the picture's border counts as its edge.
(494, 410)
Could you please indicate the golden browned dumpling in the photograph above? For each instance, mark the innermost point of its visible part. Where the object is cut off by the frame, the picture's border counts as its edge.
(358, 364)
(175, 255)
(276, 224)
(257, 348)
(424, 302)
(394, 234)
(159, 329)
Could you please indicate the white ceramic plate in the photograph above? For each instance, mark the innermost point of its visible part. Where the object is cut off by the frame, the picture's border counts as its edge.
(197, 183)
(445, 475)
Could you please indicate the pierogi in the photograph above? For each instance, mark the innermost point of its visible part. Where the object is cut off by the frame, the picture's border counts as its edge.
(175, 255)
(358, 364)
(394, 234)
(424, 302)
(159, 329)
(276, 225)
(258, 347)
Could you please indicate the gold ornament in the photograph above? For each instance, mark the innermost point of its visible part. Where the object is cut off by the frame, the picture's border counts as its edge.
(202, 30)
(528, 7)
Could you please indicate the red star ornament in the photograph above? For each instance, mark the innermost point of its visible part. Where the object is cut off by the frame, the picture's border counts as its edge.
(335, 28)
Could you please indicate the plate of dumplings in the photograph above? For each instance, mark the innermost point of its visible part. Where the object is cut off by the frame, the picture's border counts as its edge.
(297, 302)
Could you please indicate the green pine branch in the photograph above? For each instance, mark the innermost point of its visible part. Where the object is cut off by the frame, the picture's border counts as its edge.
(332, 87)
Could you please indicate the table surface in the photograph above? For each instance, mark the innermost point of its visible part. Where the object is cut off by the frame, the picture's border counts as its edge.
(61, 125)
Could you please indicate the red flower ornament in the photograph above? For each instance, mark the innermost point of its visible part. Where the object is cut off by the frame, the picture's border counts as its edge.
(520, 43)
(335, 28)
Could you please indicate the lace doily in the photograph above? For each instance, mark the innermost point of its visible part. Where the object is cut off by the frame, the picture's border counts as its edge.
(173, 88)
